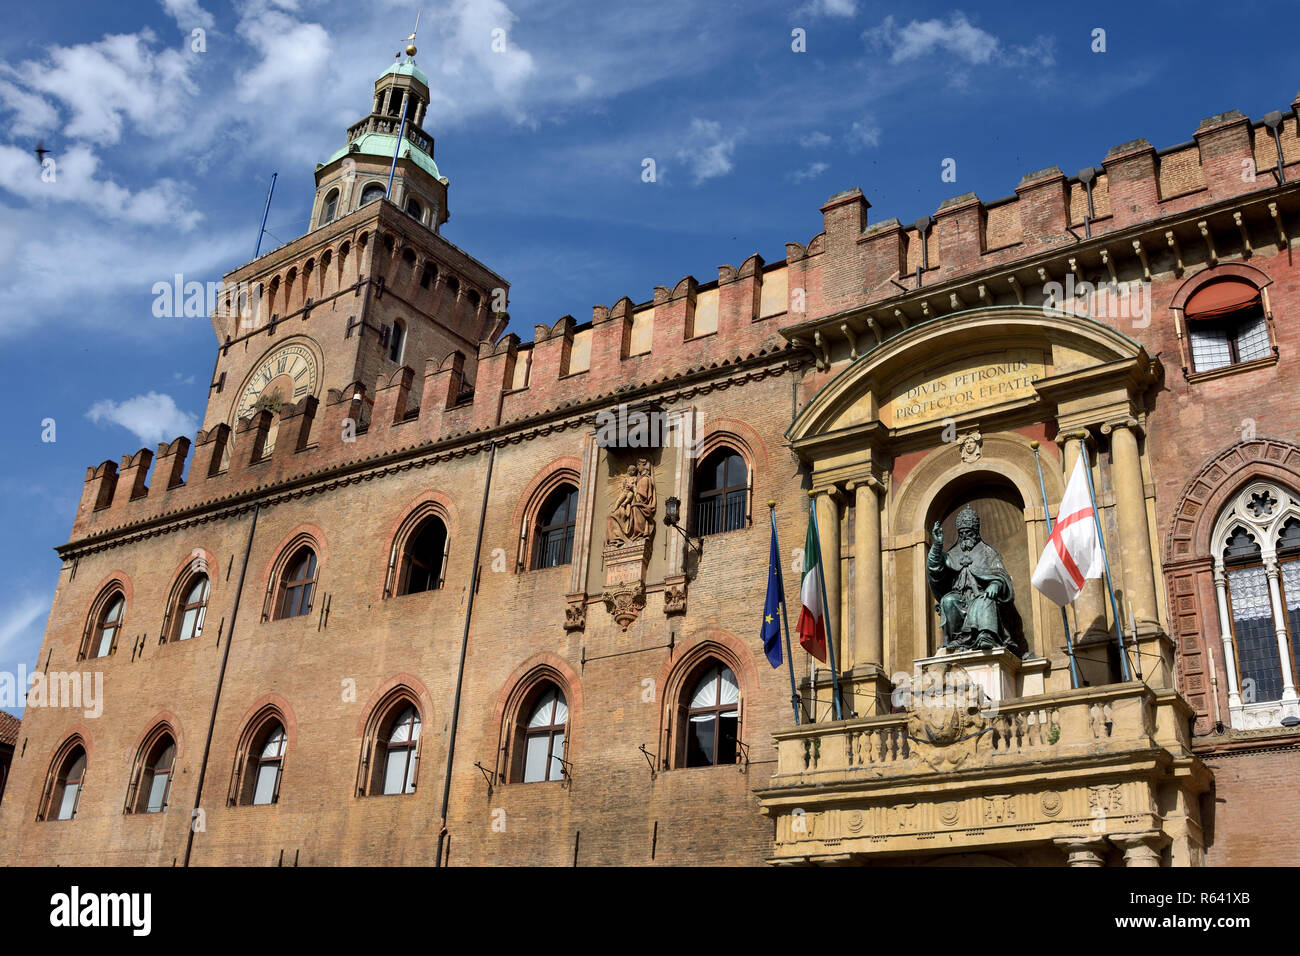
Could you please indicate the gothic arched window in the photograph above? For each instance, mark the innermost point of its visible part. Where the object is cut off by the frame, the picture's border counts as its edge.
(711, 714)
(297, 584)
(556, 522)
(721, 492)
(543, 736)
(1257, 578)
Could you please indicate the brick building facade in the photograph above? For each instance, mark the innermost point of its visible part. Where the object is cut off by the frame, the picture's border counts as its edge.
(392, 538)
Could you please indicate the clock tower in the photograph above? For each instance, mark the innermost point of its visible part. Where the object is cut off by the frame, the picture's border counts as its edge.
(370, 289)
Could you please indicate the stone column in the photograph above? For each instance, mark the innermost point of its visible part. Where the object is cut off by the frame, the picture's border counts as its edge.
(1082, 851)
(828, 529)
(1141, 849)
(1279, 627)
(1090, 607)
(1225, 635)
(1131, 515)
(868, 629)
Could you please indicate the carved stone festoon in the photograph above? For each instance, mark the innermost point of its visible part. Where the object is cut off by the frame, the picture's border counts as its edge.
(629, 531)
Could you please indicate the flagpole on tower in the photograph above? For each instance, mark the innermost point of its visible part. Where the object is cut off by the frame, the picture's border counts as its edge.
(826, 618)
(785, 621)
(1065, 618)
(1110, 588)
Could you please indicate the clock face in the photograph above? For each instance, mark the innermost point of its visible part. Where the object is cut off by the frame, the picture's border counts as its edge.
(284, 377)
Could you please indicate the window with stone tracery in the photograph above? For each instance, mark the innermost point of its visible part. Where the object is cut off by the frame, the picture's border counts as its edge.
(1256, 552)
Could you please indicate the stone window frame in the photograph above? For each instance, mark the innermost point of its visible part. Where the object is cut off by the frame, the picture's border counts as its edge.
(200, 562)
(398, 559)
(679, 683)
(711, 444)
(136, 795)
(370, 766)
(275, 582)
(1265, 530)
(518, 705)
(1194, 284)
(114, 587)
(541, 489)
(63, 756)
(242, 784)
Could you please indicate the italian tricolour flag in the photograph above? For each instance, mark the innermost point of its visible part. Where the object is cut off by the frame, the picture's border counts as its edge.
(812, 620)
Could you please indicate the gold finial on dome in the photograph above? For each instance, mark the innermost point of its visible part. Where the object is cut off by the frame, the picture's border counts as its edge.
(410, 41)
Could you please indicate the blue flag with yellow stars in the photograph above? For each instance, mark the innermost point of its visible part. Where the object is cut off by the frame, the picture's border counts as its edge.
(771, 632)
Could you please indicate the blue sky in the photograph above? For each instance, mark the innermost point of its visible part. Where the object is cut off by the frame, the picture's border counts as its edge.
(163, 154)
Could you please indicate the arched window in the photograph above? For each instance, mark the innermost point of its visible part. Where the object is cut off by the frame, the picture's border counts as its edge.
(151, 782)
(712, 717)
(372, 193)
(429, 273)
(298, 584)
(266, 766)
(398, 752)
(424, 557)
(397, 341)
(721, 492)
(1226, 325)
(556, 522)
(1257, 538)
(543, 736)
(192, 609)
(63, 789)
(330, 208)
(106, 624)
(413, 209)
(259, 761)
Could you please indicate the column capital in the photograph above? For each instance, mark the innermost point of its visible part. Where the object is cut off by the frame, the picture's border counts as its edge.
(831, 491)
(1141, 849)
(866, 481)
(1083, 851)
(1127, 421)
(1074, 434)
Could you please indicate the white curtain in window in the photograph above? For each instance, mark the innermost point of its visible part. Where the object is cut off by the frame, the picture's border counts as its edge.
(1291, 584)
(157, 790)
(536, 757)
(69, 801)
(265, 789)
(542, 714)
(707, 691)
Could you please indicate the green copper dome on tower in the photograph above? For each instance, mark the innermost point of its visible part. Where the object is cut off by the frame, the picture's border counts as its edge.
(406, 67)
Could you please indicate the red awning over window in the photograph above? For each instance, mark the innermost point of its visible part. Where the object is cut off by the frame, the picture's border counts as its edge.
(1221, 298)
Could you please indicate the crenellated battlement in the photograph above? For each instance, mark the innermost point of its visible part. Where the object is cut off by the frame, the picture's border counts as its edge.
(745, 315)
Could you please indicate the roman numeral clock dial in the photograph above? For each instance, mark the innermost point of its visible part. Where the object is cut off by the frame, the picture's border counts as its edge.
(284, 377)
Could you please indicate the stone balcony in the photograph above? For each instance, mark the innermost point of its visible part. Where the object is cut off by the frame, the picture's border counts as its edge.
(1089, 777)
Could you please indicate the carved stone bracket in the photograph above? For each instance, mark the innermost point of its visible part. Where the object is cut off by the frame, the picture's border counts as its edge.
(624, 592)
(675, 594)
(575, 611)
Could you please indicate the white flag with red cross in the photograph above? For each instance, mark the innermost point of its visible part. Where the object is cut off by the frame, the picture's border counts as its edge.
(1073, 553)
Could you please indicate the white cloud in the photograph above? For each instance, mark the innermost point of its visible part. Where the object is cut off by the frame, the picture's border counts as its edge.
(707, 151)
(479, 43)
(814, 140)
(152, 417)
(18, 620)
(293, 58)
(863, 134)
(811, 171)
(955, 38)
(828, 8)
(165, 203)
(188, 14)
(105, 84)
(32, 114)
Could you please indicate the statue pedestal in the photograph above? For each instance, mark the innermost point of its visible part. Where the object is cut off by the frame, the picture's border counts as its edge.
(624, 593)
(998, 674)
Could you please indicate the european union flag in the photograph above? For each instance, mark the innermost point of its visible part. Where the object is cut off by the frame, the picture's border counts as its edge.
(771, 632)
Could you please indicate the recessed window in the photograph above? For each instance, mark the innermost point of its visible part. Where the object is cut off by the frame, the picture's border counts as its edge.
(298, 583)
(396, 342)
(107, 626)
(153, 784)
(400, 746)
(331, 207)
(64, 790)
(556, 521)
(413, 209)
(721, 493)
(193, 608)
(372, 193)
(267, 766)
(395, 101)
(1226, 325)
(544, 737)
(428, 275)
(712, 718)
(423, 557)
